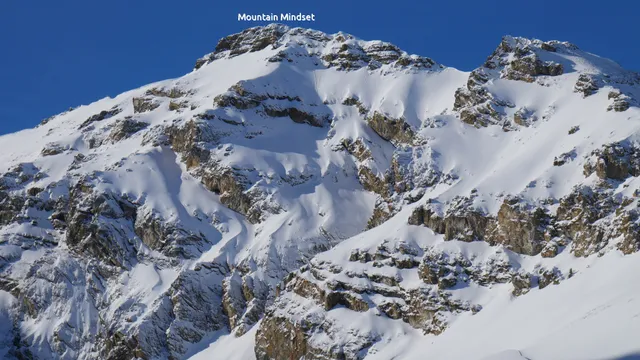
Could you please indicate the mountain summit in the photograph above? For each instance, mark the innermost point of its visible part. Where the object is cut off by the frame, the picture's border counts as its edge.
(306, 195)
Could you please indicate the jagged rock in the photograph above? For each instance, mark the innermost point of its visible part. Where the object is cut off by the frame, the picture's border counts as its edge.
(231, 188)
(576, 216)
(125, 128)
(519, 228)
(459, 223)
(514, 59)
(296, 115)
(168, 238)
(34, 191)
(373, 183)
(524, 117)
(564, 158)
(103, 115)
(550, 250)
(278, 338)
(527, 67)
(144, 104)
(357, 148)
(521, 284)
(354, 101)
(621, 102)
(548, 277)
(90, 232)
(172, 93)
(381, 213)
(53, 149)
(188, 140)
(586, 84)
(614, 161)
(175, 106)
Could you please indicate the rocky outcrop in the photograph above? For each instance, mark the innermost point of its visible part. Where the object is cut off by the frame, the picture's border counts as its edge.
(191, 142)
(100, 225)
(301, 311)
(474, 102)
(588, 219)
(390, 129)
(351, 55)
(51, 149)
(621, 102)
(524, 117)
(125, 128)
(239, 97)
(519, 59)
(565, 158)
(103, 115)
(591, 218)
(172, 93)
(297, 115)
(168, 238)
(520, 227)
(144, 104)
(460, 222)
(587, 85)
(615, 161)
(516, 59)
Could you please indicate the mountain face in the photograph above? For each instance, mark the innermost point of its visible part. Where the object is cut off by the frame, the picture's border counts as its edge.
(304, 195)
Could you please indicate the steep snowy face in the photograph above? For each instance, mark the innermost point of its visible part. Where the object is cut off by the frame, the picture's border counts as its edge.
(300, 185)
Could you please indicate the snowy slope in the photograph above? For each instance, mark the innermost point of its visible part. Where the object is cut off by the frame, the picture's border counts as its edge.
(365, 202)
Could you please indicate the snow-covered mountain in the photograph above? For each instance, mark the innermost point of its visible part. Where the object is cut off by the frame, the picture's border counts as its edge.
(304, 195)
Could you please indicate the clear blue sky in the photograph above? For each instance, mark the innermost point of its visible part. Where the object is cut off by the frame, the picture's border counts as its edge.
(57, 54)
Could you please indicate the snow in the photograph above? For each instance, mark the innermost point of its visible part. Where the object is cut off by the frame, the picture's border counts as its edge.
(590, 316)
(321, 204)
(230, 347)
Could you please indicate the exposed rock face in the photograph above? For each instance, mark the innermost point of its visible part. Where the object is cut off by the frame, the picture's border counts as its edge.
(621, 102)
(172, 93)
(592, 218)
(587, 85)
(614, 161)
(395, 130)
(241, 98)
(520, 228)
(519, 59)
(53, 149)
(231, 189)
(514, 59)
(474, 102)
(303, 310)
(524, 117)
(125, 128)
(460, 222)
(144, 104)
(281, 339)
(98, 225)
(564, 158)
(105, 114)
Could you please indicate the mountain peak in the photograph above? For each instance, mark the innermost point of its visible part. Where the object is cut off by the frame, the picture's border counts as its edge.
(340, 50)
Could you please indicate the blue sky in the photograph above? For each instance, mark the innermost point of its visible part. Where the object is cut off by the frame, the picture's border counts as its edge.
(57, 54)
